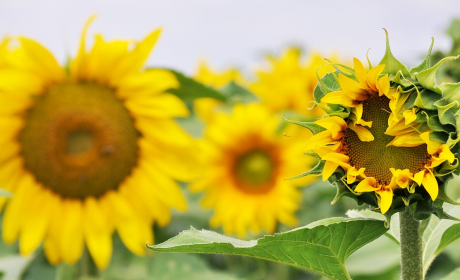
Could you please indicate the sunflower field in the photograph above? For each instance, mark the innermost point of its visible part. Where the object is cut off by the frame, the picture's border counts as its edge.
(250, 141)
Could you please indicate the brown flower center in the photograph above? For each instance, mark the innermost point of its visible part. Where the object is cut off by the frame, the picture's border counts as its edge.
(375, 156)
(79, 140)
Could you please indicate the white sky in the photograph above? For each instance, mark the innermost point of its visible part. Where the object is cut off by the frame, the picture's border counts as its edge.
(237, 32)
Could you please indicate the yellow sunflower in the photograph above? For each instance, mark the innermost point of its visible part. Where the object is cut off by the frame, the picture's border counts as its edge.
(88, 149)
(245, 163)
(393, 134)
(289, 81)
(205, 107)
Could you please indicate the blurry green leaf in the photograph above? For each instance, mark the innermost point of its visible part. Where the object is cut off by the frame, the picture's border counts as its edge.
(434, 232)
(392, 65)
(237, 94)
(454, 275)
(321, 247)
(5, 193)
(182, 266)
(449, 236)
(375, 258)
(191, 89)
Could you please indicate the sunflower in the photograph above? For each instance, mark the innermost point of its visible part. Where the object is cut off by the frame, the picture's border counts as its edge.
(89, 149)
(210, 77)
(245, 163)
(289, 81)
(388, 131)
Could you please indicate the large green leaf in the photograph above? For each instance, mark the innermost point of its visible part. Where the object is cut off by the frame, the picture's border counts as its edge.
(392, 65)
(321, 247)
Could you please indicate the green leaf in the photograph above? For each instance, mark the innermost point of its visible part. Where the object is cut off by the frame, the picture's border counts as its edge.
(449, 236)
(326, 84)
(191, 89)
(444, 106)
(184, 266)
(392, 65)
(313, 127)
(434, 232)
(450, 92)
(393, 232)
(454, 275)
(237, 94)
(426, 99)
(427, 78)
(425, 63)
(5, 193)
(317, 170)
(321, 247)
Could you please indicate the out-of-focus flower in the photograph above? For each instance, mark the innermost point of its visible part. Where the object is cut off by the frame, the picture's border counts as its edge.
(289, 82)
(393, 134)
(205, 107)
(89, 149)
(246, 163)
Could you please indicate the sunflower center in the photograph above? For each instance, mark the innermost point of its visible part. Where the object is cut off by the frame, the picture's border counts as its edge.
(254, 170)
(375, 156)
(79, 140)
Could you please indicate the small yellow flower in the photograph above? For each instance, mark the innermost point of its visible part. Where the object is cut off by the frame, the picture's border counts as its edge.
(246, 160)
(90, 150)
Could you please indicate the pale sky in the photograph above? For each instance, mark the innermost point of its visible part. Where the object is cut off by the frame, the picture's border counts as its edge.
(235, 32)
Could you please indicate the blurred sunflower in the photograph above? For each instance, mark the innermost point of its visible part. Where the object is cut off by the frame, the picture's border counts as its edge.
(89, 149)
(289, 82)
(246, 163)
(204, 107)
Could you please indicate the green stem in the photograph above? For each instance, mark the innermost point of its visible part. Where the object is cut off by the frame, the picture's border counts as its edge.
(88, 268)
(411, 246)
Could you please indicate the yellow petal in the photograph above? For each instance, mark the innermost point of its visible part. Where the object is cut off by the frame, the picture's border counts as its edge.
(360, 72)
(363, 134)
(339, 97)
(333, 124)
(97, 232)
(36, 221)
(369, 184)
(409, 116)
(158, 106)
(432, 146)
(373, 75)
(133, 61)
(430, 184)
(383, 85)
(321, 139)
(386, 198)
(329, 169)
(71, 241)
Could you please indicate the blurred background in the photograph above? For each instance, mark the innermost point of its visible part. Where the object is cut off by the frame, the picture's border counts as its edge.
(238, 32)
(235, 34)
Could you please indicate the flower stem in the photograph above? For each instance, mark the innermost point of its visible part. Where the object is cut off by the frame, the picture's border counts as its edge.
(411, 246)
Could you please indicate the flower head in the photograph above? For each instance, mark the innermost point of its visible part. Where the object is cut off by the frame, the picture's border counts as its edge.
(245, 163)
(389, 135)
(89, 150)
